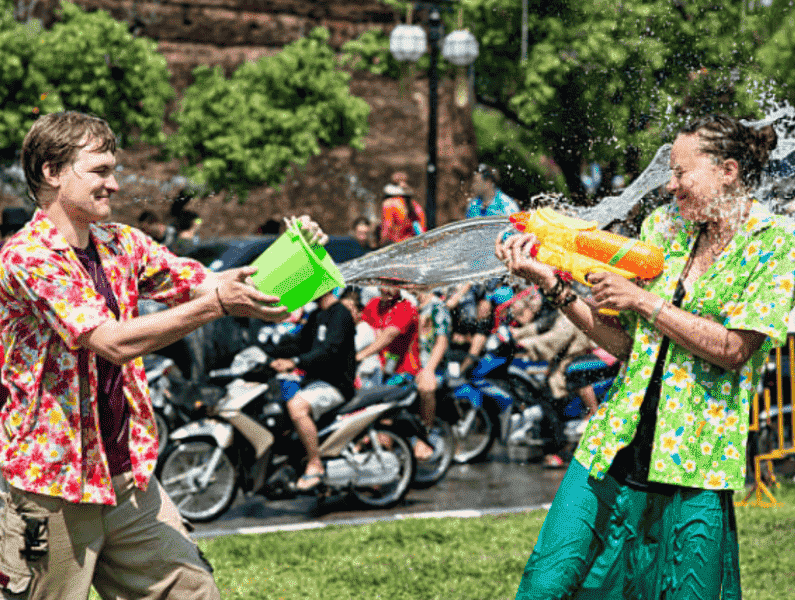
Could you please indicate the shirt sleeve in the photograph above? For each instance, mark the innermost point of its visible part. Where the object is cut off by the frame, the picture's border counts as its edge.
(768, 292)
(49, 286)
(162, 275)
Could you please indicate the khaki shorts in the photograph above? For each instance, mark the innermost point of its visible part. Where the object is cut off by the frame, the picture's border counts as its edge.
(322, 397)
(53, 549)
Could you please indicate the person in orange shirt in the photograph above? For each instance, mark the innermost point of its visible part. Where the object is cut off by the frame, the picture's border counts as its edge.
(401, 216)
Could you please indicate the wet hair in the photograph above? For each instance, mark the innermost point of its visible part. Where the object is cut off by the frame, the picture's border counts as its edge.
(725, 137)
(56, 139)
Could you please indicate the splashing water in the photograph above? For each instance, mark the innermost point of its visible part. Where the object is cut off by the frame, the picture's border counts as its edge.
(464, 251)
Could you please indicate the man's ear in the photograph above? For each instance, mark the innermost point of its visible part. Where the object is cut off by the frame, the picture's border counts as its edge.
(51, 177)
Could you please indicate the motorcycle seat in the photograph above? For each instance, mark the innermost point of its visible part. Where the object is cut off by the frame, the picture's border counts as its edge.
(375, 395)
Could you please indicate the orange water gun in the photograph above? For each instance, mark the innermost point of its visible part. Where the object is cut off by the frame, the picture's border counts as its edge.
(579, 247)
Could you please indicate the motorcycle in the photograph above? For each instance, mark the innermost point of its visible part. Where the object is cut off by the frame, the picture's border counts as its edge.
(507, 398)
(478, 403)
(247, 441)
(541, 424)
(174, 399)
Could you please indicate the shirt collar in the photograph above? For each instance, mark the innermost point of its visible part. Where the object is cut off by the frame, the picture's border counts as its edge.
(47, 233)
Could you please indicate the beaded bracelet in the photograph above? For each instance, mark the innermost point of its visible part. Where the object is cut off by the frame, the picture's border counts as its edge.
(553, 295)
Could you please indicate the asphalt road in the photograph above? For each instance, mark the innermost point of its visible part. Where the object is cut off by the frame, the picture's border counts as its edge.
(495, 485)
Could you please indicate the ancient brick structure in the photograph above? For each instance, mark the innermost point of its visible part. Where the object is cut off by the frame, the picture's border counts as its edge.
(339, 184)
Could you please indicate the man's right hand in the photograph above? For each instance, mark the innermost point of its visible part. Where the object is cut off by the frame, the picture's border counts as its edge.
(239, 298)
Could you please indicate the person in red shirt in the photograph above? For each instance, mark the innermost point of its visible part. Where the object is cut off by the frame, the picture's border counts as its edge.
(395, 321)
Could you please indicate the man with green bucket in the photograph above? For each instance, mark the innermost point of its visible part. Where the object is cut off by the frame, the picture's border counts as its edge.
(78, 434)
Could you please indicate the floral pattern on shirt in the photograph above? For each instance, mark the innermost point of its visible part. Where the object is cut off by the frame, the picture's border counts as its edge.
(50, 440)
(435, 320)
(703, 415)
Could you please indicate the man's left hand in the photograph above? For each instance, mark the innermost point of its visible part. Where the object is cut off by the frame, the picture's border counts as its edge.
(282, 365)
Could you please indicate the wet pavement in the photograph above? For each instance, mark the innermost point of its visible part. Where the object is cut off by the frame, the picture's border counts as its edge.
(490, 486)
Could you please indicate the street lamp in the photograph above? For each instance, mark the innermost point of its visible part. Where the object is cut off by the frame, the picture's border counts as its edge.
(408, 43)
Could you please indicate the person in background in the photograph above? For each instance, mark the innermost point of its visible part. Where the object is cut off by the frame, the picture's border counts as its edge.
(395, 321)
(368, 371)
(78, 439)
(472, 313)
(188, 224)
(153, 225)
(401, 216)
(435, 325)
(657, 465)
(325, 352)
(488, 199)
(363, 232)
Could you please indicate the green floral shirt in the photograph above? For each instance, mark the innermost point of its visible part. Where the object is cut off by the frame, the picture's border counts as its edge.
(703, 415)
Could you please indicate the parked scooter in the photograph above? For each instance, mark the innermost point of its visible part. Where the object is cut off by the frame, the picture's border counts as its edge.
(247, 441)
(174, 399)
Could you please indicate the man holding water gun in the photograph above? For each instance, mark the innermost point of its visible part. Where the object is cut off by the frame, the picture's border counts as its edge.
(645, 509)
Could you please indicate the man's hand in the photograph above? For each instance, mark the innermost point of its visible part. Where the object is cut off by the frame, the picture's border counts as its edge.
(239, 298)
(425, 381)
(282, 365)
(316, 234)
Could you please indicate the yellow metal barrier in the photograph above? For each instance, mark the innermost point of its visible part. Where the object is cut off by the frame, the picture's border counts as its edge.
(764, 480)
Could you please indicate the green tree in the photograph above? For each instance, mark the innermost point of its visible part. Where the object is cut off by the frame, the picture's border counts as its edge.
(248, 129)
(24, 90)
(607, 81)
(98, 67)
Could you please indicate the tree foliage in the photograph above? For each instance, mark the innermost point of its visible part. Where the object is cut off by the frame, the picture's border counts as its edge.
(24, 89)
(86, 62)
(608, 81)
(248, 129)
(98, 67)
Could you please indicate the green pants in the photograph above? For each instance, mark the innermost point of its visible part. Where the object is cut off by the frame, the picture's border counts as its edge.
(602, 540)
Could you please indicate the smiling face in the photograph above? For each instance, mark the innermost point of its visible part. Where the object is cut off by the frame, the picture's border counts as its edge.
(84, 187)
(701, 184)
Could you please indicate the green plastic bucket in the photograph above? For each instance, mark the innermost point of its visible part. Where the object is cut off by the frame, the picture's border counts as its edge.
(295, 271)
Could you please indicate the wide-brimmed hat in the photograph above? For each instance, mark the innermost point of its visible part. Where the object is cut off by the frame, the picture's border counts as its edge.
(390, 189)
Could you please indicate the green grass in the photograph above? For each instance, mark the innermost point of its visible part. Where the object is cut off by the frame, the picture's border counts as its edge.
(461, 559)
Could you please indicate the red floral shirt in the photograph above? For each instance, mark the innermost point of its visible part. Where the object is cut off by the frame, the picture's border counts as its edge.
(50, 440)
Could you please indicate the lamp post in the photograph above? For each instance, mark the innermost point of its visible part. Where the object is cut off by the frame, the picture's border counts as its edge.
(408, 43)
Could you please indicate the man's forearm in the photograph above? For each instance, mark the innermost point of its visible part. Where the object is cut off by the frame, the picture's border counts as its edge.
(122, 341)
(382, 340)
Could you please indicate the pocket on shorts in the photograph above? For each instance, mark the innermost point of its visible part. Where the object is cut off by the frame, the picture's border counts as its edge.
(23, 540)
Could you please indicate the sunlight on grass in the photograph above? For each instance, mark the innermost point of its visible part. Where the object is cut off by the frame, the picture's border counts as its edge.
(465, 559)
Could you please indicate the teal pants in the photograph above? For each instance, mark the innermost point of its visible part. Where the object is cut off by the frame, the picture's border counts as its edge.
(602, 540)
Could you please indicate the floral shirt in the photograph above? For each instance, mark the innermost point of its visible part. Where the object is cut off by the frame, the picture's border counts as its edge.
(502, 204)
(50, 439)
(435, 321)
(703, 415)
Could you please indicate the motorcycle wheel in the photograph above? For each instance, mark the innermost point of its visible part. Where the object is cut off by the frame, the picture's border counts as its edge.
(162, 433)
(385, 496)
(474, 435)
(183, 465)
(433, 470)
